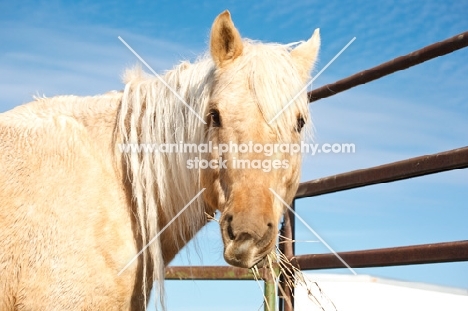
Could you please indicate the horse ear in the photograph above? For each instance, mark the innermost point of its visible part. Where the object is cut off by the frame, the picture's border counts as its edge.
(305, 55)
(225, 42)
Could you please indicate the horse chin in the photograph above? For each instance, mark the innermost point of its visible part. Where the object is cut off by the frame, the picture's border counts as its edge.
(244, 258)
(247, 264)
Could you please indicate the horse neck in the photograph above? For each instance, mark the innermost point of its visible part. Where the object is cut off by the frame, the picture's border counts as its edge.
(162, 185)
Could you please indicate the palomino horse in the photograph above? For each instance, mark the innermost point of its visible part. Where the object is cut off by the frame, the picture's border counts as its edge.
(76, 204)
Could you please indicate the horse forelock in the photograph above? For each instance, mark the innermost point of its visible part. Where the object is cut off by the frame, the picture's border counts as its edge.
(274, 83)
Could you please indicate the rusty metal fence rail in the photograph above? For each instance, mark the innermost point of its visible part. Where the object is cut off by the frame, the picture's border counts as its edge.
(400, 63)
(406, 255)
(414, 167)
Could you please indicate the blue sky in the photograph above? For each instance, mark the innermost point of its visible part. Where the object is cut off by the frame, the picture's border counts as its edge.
(60, 47)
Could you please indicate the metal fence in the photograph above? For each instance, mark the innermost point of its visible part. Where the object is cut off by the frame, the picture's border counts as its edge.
(429, 164)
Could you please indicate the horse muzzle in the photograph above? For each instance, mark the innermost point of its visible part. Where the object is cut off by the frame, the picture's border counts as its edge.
(246, 245)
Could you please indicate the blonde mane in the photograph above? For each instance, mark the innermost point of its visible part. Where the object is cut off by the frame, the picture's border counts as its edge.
(150, 113)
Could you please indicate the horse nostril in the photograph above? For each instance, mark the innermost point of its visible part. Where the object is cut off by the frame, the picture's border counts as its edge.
(228, 219)
(231, 235)
(270, 225)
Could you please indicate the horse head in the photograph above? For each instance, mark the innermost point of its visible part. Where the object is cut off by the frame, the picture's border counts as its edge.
(257, 111)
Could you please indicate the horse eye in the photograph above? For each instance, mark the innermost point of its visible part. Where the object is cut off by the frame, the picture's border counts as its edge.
(215, 119)
(300, 124)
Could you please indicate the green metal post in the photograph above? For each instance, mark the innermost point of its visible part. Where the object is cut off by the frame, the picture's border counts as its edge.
(270, 295)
